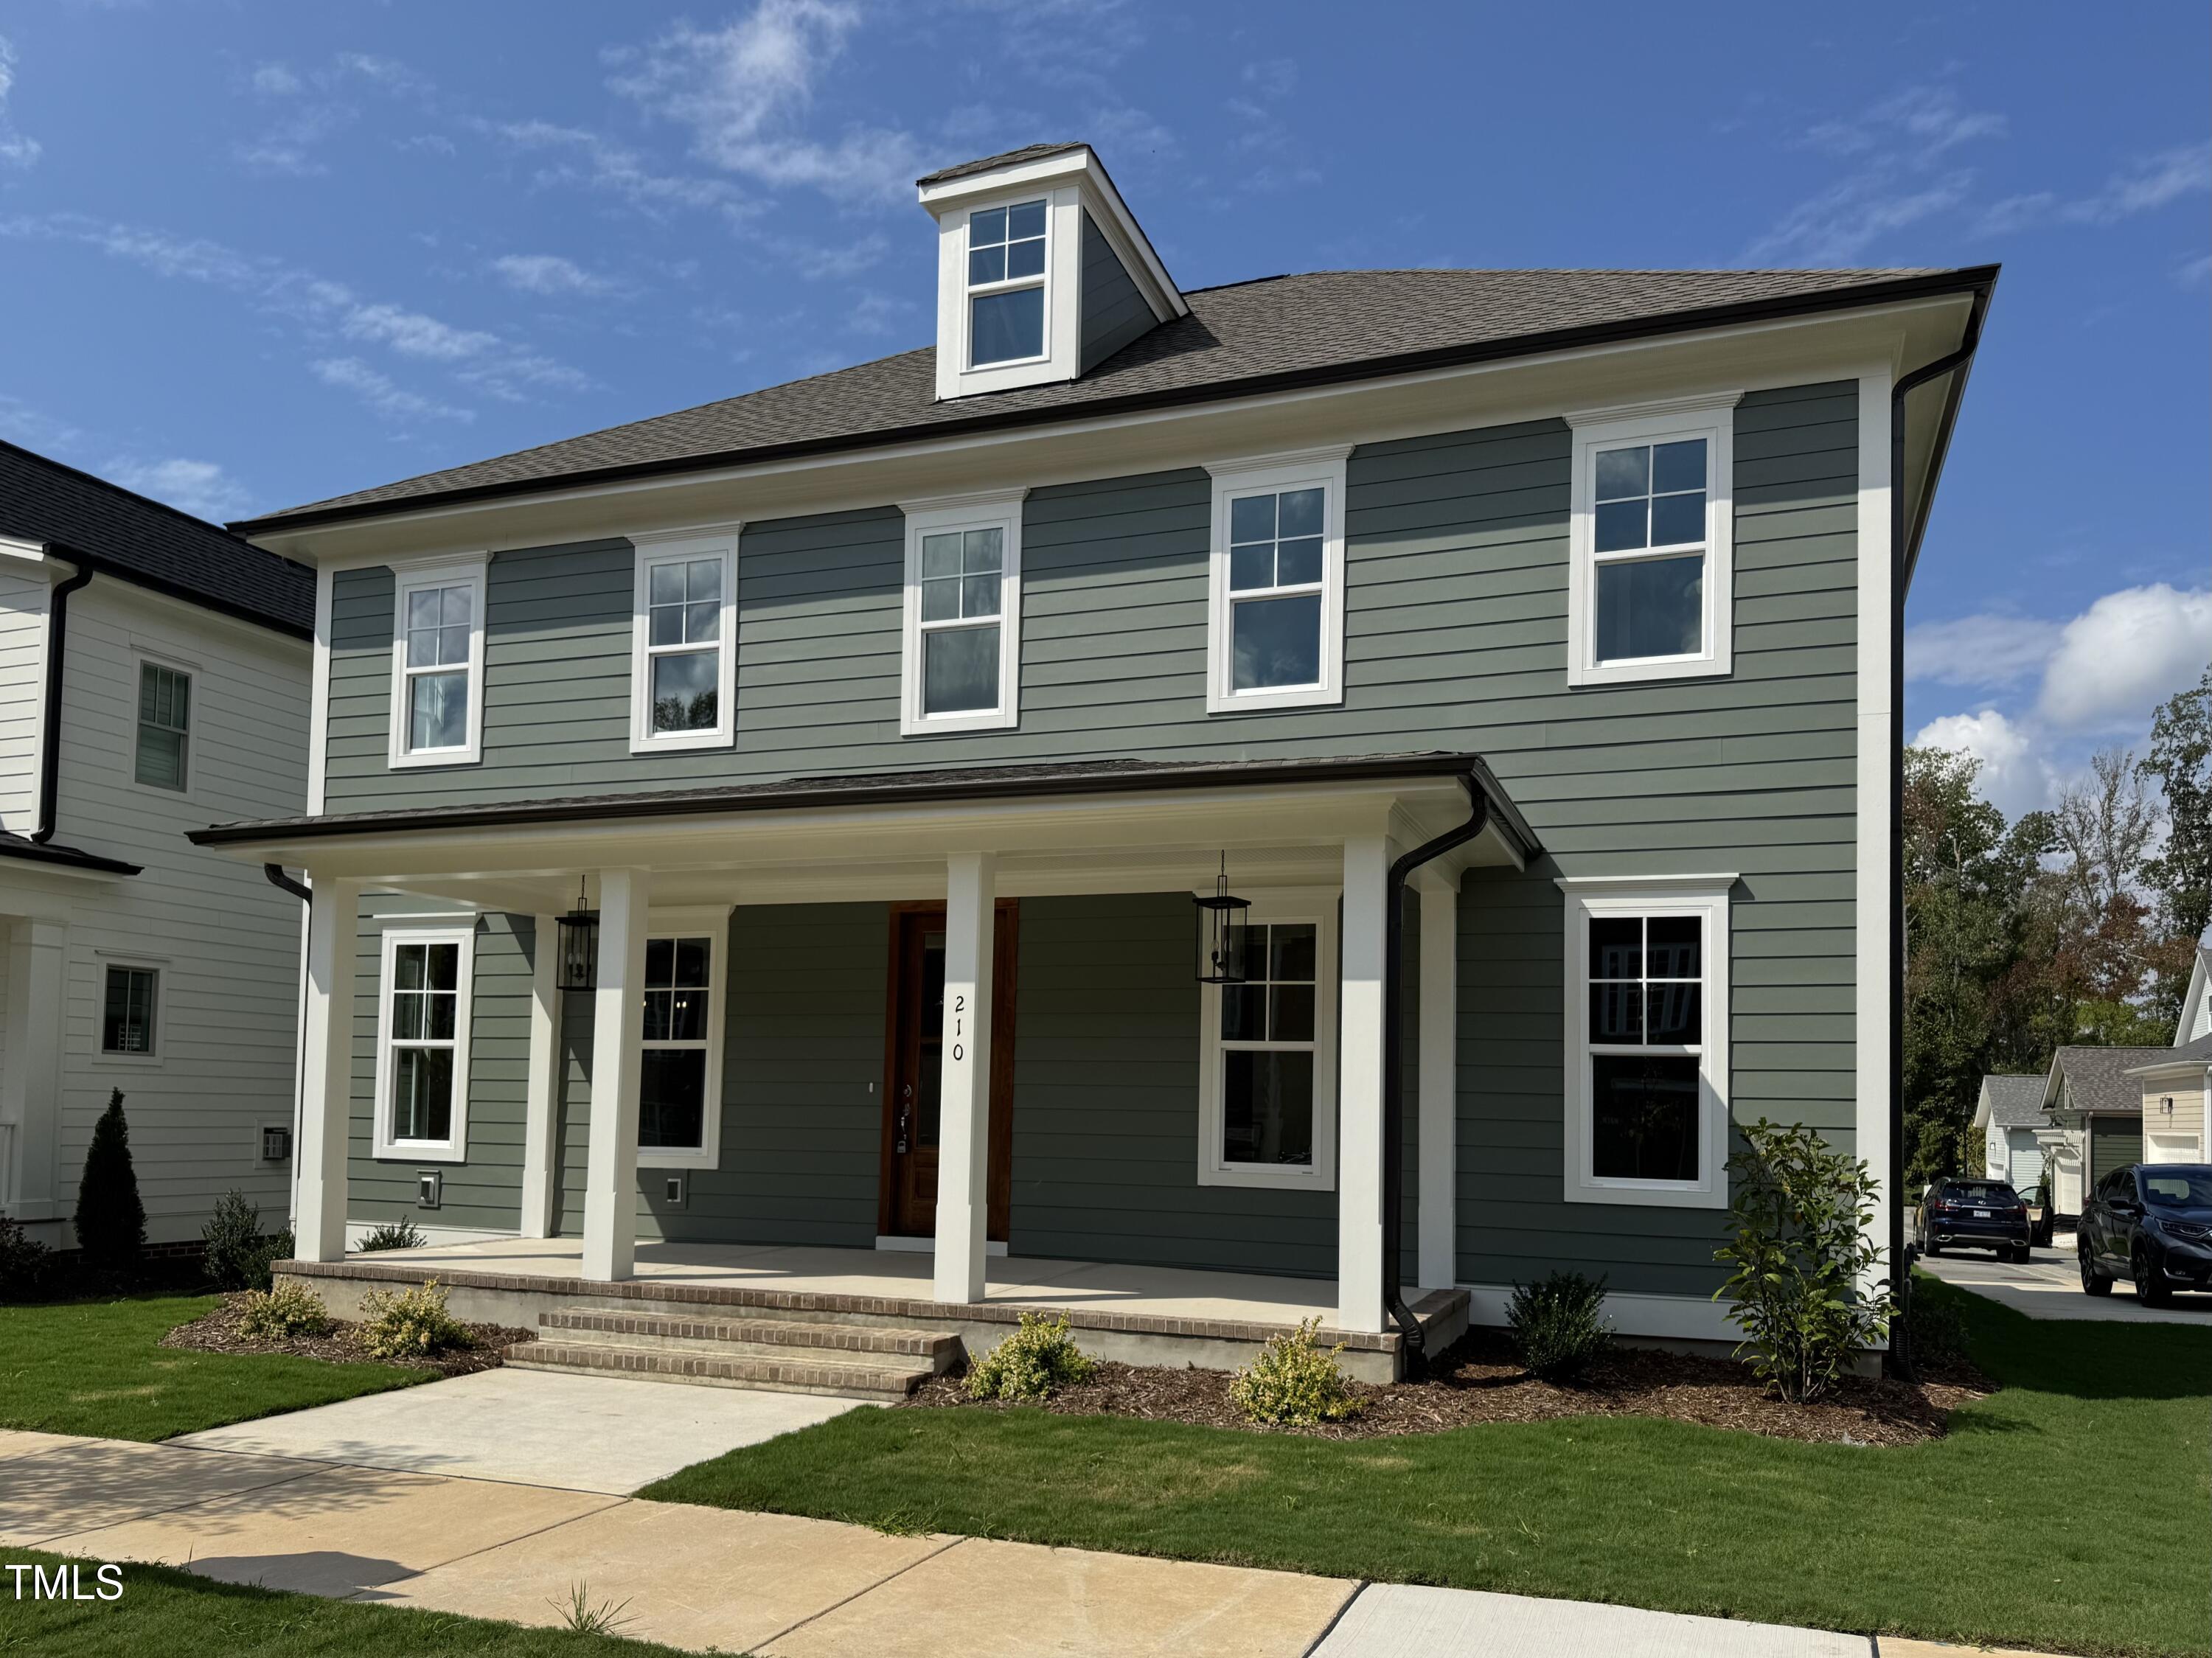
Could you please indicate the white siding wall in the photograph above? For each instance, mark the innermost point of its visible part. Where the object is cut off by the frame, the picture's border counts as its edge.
(2181, 1137)
(23, 589)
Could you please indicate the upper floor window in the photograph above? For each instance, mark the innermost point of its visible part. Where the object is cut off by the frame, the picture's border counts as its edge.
(1005, 284)
(130, 997)
(682, 677)
(437, 689)
(165, 721)
(1277, 634)
(1651, 581)
(426, 983)
(962, 644)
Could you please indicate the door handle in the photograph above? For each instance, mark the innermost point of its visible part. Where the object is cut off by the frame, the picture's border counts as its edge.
(899, 1129)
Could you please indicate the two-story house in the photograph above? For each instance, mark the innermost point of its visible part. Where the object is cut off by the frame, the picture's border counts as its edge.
(1325, 795)
(154, 671)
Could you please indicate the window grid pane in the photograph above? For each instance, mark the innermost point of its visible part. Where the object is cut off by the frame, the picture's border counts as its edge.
(164, 718)
(673, 1100)
(126, 1025)
(1268, 1034)
(1646, 990)
(425, 1033)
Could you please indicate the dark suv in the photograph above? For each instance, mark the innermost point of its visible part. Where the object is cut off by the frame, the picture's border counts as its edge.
(1985, 1213)
(2153, 1222)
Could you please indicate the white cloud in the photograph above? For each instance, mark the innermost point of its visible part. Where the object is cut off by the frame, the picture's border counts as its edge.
(2193, 271)
(598, 163)
(549, 274)
(414, 335)
(1926, 120)
(1986, 651)
(2014, 777)
(1843, 220)
(34, 428)
(198, 487)
(377, 390)
(15, 148)
(2153, 182)
(277, 80)
(2123, 655)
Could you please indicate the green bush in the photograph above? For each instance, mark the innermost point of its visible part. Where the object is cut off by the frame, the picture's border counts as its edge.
(411, 1323)
(393, 1235)
(111, 1221)
(286, 1309)
(1559, 1321)
(24, 1261)
(1032, 1364)
(1804, 1283)
(1295, 1382)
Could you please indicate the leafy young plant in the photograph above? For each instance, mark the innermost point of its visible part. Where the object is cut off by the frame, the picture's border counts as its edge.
(1295, 1382)
(411, 1323)
(1033, 1363)
(24, 1261)
(111, 1221)
(1804, 1285)
(1559, 1321)
(287, 1309)
(401, 1234)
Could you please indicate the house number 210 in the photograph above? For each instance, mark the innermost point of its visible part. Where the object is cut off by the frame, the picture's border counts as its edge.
(959, 1006)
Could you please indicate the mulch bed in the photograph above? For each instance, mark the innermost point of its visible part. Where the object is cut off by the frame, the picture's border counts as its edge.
(1482, 1379)
(218, 1332)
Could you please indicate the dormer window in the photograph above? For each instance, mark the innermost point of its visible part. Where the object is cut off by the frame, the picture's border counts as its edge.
(1006, 284)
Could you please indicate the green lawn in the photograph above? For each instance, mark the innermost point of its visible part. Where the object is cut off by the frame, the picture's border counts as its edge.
(164, 1612)
(2069, 1511)
(96, 1367)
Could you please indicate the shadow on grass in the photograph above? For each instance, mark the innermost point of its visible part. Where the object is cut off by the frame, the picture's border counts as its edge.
(2079, 1358)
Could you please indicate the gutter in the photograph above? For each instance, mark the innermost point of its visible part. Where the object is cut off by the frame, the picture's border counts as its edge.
(50, 727)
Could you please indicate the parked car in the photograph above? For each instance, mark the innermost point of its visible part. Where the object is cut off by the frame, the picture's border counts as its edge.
(2153, 1222)
(1983, 1214)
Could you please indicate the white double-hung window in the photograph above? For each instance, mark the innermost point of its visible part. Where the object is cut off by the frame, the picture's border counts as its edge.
(437, 663)
(679, 1079)
(1006, 280)
(1650, 578)
(1275, 638)
(425, 985)
(1267, 1052)
(683, 640)
(1647, 1064)
(961, 665)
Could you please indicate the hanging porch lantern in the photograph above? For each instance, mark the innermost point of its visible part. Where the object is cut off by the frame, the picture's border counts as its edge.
(1221, 933)
(580, 945)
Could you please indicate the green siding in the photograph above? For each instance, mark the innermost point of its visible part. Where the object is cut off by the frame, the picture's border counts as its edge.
(1114, 312)
(2114, 1143)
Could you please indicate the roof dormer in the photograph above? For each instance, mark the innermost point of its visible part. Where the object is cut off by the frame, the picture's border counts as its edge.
(1042, 272)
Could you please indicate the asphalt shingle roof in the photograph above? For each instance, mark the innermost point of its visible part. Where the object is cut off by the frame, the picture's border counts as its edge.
(1239, 340)
(2199, 1049)
(2097, 1078)
(1005, 158)
(135, 538)
(2014, 1101)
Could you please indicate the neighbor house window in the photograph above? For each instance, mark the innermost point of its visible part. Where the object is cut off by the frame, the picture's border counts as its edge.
(1651, 583)
(422, 1050)
(679, 1072)
(1005, 284)
(1268, 1093)
(1277, 632)
(437, 689)
(165, 722)
(962, 642)
(130, 997)
(684, 644)
(1647, 1043)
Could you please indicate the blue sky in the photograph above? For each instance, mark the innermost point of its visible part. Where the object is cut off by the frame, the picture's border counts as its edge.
(254, 254)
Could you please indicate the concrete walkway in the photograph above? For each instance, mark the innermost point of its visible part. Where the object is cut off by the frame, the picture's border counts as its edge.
(773, 1585)
(2050, 1286)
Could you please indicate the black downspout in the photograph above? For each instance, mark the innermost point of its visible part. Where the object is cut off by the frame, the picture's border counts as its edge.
(1902, 558)
(278, 878)
(1394, 1058)
(50, 737)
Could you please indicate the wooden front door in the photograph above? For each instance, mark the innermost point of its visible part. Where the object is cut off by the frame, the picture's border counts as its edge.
(911, 1102)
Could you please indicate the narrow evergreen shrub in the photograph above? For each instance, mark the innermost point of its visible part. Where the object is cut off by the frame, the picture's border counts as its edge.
(111, 1221)
(1295, 1382)
(231, 1244)
(287, 1309)
(24, 1261)
(400, 1234)
(411, 1323)
(1032, 1364)
(1559, 1321)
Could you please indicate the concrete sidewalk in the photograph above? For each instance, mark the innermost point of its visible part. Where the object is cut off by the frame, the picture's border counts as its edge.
(773, 1585)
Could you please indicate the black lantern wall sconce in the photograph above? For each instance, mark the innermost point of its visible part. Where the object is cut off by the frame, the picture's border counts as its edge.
(580, 945)
(1221, 933)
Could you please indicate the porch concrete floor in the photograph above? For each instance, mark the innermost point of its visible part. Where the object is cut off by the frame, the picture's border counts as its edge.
(1014, 1280)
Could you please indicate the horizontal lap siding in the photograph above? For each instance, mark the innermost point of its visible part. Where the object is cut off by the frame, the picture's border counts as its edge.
(1114, 312)
(1105, 1128)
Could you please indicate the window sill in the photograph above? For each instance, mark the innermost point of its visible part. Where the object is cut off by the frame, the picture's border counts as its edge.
(663, 1156)
(436, 757)
(680, 741)
(411, 1152)
(127, 1062)
(1648, 668)
(1262, 1178)
(1647, 1194)
(951, 725)
(1288, 696)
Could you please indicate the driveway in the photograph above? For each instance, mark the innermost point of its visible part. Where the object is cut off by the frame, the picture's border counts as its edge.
(2050, 1286)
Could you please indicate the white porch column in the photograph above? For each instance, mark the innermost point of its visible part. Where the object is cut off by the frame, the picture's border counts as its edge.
(326, 1079)
(963, 1133)
(542, 1086)
(31, 1093)
(1359, 1218)
(618, 1058)
(1439, 1108)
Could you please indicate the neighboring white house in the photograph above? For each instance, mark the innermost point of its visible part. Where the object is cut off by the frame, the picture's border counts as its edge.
(2173, 1094)
(2009, 1112)
(153, 674)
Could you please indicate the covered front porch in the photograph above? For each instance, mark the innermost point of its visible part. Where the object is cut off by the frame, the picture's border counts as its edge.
(1313, 839)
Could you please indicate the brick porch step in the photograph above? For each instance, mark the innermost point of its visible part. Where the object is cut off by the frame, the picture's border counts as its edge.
(931, 1351)
(769, 1373)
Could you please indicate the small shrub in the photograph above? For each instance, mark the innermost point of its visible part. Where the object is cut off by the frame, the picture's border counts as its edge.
(287, 1309)
(1804, 1265)
(230, 1240)
(1559, 1321)
(393, 1235)
(24, 1261)
(1295, 1382)
(411, 1323)
(111, 1221)
(1032, 1364)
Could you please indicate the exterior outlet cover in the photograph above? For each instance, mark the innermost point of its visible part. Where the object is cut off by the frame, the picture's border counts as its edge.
(429, 1188)
(673, 1189)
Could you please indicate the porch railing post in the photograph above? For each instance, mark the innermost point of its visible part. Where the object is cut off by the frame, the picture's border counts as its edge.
(617, 1062)
(1359, 1185)
(964, 1123)
(326, 1089)
(1438, 1266)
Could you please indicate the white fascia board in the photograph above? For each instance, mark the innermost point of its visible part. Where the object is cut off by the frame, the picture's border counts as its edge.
(35, 551)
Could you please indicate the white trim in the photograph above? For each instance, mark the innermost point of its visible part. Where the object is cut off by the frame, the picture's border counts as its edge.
(1061, 283)
(1870, 1004)
(667, 547)
(409, 575)
(1317, 905)
(142, 657)
(1260, 475)
(923, 1244)
(318, 684)
(1661, 897)
(1653, 1317)
(1712, 418)
(385, 1146)
(541, 1087)
(998, 509)
(107, 960)
(1601, 884)
(712, 923)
